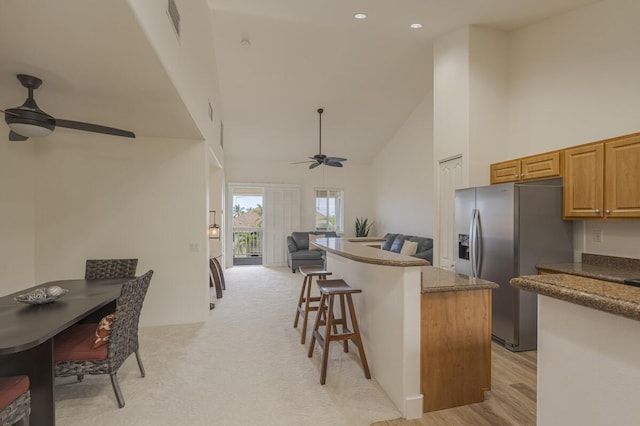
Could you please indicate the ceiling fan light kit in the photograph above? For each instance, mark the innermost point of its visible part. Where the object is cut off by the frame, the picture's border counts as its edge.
(320, 159)
(29, 121)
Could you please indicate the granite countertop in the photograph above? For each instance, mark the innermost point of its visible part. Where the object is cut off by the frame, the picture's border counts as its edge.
(435, 280)
(607, 296)
(366, 254)
(608, 268)
(365, 239)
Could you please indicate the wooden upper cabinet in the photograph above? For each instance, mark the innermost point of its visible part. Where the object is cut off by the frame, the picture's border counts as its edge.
(583, 182)
(542, 166)
(602, 179)
(507, 171)
(622, 177)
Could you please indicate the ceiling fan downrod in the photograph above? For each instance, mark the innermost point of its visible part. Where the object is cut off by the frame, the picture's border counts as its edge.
(320, 111)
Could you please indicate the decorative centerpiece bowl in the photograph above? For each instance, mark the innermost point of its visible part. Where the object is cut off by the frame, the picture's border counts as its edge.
(42, 295)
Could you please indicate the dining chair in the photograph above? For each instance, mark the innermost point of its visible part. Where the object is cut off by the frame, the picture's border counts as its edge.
(215, 279)
(15, 400)
(104, 269)
(77, 350)
(218, 267)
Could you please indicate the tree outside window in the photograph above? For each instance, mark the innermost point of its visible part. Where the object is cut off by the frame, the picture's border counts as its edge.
(329, 210)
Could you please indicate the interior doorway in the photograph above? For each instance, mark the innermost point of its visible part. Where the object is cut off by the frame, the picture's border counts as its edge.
(449, 179)
(247, 225)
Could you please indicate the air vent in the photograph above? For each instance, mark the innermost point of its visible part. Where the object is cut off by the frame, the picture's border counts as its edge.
(174, 15)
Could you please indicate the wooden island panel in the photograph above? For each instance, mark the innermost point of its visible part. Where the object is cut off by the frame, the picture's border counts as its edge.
(455, 359)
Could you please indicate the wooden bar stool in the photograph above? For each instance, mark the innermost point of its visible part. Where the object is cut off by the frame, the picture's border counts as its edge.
(328, 290)
(305, 300)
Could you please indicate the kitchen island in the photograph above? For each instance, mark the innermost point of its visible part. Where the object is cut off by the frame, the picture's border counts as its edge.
(588, 346)
(412, 314)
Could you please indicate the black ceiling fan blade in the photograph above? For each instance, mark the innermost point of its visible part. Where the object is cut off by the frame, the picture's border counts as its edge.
(305, 162)
(314, 165)
(95, 128)
(334, 164)
(13, 136)
(335, 159)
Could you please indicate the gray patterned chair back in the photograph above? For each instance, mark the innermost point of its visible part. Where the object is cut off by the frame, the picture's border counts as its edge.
(104, 269)
(124, 330)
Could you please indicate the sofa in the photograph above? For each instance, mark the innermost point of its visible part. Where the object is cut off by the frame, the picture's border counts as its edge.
(299, 253)
(394, 242)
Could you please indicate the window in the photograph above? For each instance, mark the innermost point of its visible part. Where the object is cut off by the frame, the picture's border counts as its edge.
(329, 209)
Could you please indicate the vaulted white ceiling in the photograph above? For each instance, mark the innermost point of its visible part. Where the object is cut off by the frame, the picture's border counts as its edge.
(368, 75)
(98, 66)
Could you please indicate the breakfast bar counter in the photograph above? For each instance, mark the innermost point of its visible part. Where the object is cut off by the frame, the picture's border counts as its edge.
(366, 254)
(588, 346)
(411, 341)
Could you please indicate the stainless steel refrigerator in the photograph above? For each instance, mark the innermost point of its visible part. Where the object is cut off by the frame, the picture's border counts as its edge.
(502, 232)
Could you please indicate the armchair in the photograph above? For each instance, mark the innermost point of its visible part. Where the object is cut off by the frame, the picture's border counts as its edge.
(299, 253)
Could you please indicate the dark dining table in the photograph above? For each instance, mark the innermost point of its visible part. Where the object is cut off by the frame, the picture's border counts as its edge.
(27, 332)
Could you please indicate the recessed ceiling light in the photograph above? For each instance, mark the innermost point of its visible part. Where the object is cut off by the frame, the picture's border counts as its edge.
(416, 26)
(360, 16)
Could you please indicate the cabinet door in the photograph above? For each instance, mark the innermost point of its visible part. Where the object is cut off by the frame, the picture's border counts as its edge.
(507, 171)
(541, 166)
(584, 182)
(622, 178)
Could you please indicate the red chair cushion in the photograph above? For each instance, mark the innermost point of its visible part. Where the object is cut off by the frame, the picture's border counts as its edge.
(75, 344)
(11, 388)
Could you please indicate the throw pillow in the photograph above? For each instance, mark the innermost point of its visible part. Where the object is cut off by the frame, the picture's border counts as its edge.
(103, 331)
(409, 248)
(314, 237)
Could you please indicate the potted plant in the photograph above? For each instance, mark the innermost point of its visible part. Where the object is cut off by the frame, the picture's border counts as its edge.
(362, 226)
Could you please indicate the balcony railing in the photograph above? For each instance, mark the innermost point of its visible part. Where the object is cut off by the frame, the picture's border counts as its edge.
(247, 242)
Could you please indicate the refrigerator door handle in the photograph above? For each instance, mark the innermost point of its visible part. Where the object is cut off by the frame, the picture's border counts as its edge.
(477, 239)
(472, 242)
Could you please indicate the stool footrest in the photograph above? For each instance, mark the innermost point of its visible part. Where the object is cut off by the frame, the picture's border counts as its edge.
(302, 310)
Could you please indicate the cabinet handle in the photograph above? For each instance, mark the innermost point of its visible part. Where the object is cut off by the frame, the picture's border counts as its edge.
(607, 211)
(597, 211)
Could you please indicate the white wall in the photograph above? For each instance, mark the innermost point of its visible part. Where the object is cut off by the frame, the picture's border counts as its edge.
(451, 97)
(190, 61)
(17, 215)
(353, 178)
(574, 79)
(488, 99)
(191, 65)
(216, 201)
(470, 99)
(402, 177)
(104, 197)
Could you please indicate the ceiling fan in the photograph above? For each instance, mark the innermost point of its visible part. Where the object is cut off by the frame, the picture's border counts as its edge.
(320, 158)
(29, 121)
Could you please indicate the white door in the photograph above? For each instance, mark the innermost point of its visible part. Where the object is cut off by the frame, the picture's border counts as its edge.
(281, 218)
(450, 179)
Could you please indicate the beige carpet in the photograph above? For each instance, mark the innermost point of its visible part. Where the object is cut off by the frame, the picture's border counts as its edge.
(244, 366)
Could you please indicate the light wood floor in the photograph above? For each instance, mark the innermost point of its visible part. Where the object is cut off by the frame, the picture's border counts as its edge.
(511, 401)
